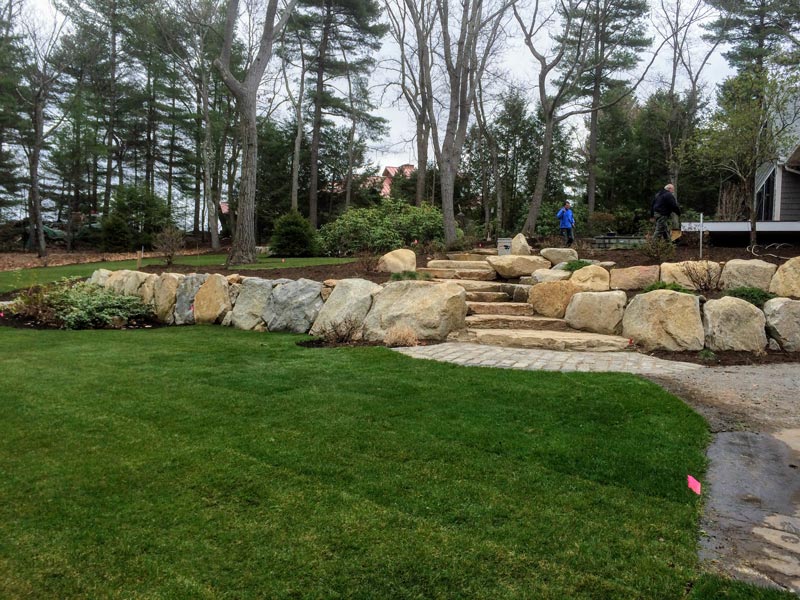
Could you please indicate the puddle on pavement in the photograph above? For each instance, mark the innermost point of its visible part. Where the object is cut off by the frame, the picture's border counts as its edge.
(751, 525)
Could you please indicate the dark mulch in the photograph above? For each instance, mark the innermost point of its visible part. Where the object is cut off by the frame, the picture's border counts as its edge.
(729, 359)
(18, 322)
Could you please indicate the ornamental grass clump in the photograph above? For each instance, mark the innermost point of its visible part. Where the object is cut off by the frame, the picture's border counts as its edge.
(410, 275)
(76, 304)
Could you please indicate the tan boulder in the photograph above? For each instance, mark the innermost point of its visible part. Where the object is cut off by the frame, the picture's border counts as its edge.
(513, 266)
(432, 310)
(99, 277)
(543, 275)
(559, 255)
(598, 312)
(747, 273)
(591, 279)
(519, 245)
(212, 301)
(680, 273)
(133, 282)
(551, 298)
(234, 278)
(786, 281)
(398, 261)
(115, 282)
(348, 304)
(783, 322)
(664, 320)
(147, 291)
(734, 324)
(166, 293)
(633, 278)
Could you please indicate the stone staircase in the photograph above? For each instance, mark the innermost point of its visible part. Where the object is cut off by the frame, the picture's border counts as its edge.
(498, 312)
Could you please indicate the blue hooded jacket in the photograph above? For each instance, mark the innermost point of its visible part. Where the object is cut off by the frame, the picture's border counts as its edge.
(565, 218)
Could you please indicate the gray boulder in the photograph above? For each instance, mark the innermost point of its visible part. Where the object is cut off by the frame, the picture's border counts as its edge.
(348, 303)
(747, 273)
(543, 275)
(250, 303)
(184, 301)
(559, 255)
(293, 306)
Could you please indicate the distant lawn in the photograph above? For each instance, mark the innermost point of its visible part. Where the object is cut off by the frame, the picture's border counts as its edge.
(207, 462)
(23, 278)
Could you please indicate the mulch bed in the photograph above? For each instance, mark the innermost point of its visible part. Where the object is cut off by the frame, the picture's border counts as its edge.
(729, 359)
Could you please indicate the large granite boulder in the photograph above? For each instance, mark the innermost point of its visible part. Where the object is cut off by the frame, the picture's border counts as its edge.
(213, 300)
(664, 320)
(747, 273)
(551, 298)
(783, 322)
(543, 275)
(786, 281)
(633, 278)
(147, 291)
(164, 296)
(133, 283)
(293, 306)
(431, 310)
(598, 312)
(688, 272)
(593, 278)
(347, 305)
(251, 302)
(734, 324)
(398, 261)
(519, 245)
(513, 266)
(115, 282)
(184, 302)
(99, 277)
(559, 255)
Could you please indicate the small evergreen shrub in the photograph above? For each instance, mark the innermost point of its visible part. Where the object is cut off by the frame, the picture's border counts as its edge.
(390, 225)
(293, 236)
(658, 249)
(413, 275)
(137, 215)
(75, 304)
(575, 265)
(663, 285)
(753, 295)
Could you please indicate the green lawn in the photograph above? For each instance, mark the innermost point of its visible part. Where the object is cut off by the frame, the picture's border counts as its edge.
(207, 462)
(23, 278)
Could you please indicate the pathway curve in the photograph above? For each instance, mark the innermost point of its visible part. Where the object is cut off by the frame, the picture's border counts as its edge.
(751, 524)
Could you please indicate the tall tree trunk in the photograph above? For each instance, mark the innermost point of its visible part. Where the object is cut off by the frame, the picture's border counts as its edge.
(112, 109)
(35, 155)
(298, 139)
(541, 178)
(213, 222)
(423, 137)
(316, 131)
(591, 159)
(244, 251)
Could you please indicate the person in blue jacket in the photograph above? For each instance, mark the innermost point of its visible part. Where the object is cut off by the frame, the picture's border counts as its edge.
(566, 221)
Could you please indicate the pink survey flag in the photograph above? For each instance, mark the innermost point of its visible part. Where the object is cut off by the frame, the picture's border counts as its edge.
(694, 485)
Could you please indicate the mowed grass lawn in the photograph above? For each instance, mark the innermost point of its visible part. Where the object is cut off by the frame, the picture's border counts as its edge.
(206, 462)
(24, 278)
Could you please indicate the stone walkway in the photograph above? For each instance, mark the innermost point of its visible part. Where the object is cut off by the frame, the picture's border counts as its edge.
(548, 360)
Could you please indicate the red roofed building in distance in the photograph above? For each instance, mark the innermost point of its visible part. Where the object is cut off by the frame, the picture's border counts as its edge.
(389, 173)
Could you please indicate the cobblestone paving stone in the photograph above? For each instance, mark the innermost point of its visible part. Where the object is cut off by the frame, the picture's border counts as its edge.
(548, 360)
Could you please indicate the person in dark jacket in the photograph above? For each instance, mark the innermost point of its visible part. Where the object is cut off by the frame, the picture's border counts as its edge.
(664, 204)
(566, 222)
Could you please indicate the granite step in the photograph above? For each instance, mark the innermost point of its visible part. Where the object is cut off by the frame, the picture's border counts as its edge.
(500, 308)
(462, 256)
(516, 322)
(488, 297)
(480, 265)
(471, 285)
(549, 340)
(469, 274)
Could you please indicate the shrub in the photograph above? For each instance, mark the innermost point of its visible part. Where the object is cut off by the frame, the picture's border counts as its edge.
(575, 265)
(75, 304)
(136, 216)
(704, 276)
(658, 249)
(293, 236)
(753, 295)
(413, 275)
(388, 226)
(168, 242)
(600, 223)
(663, 285)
